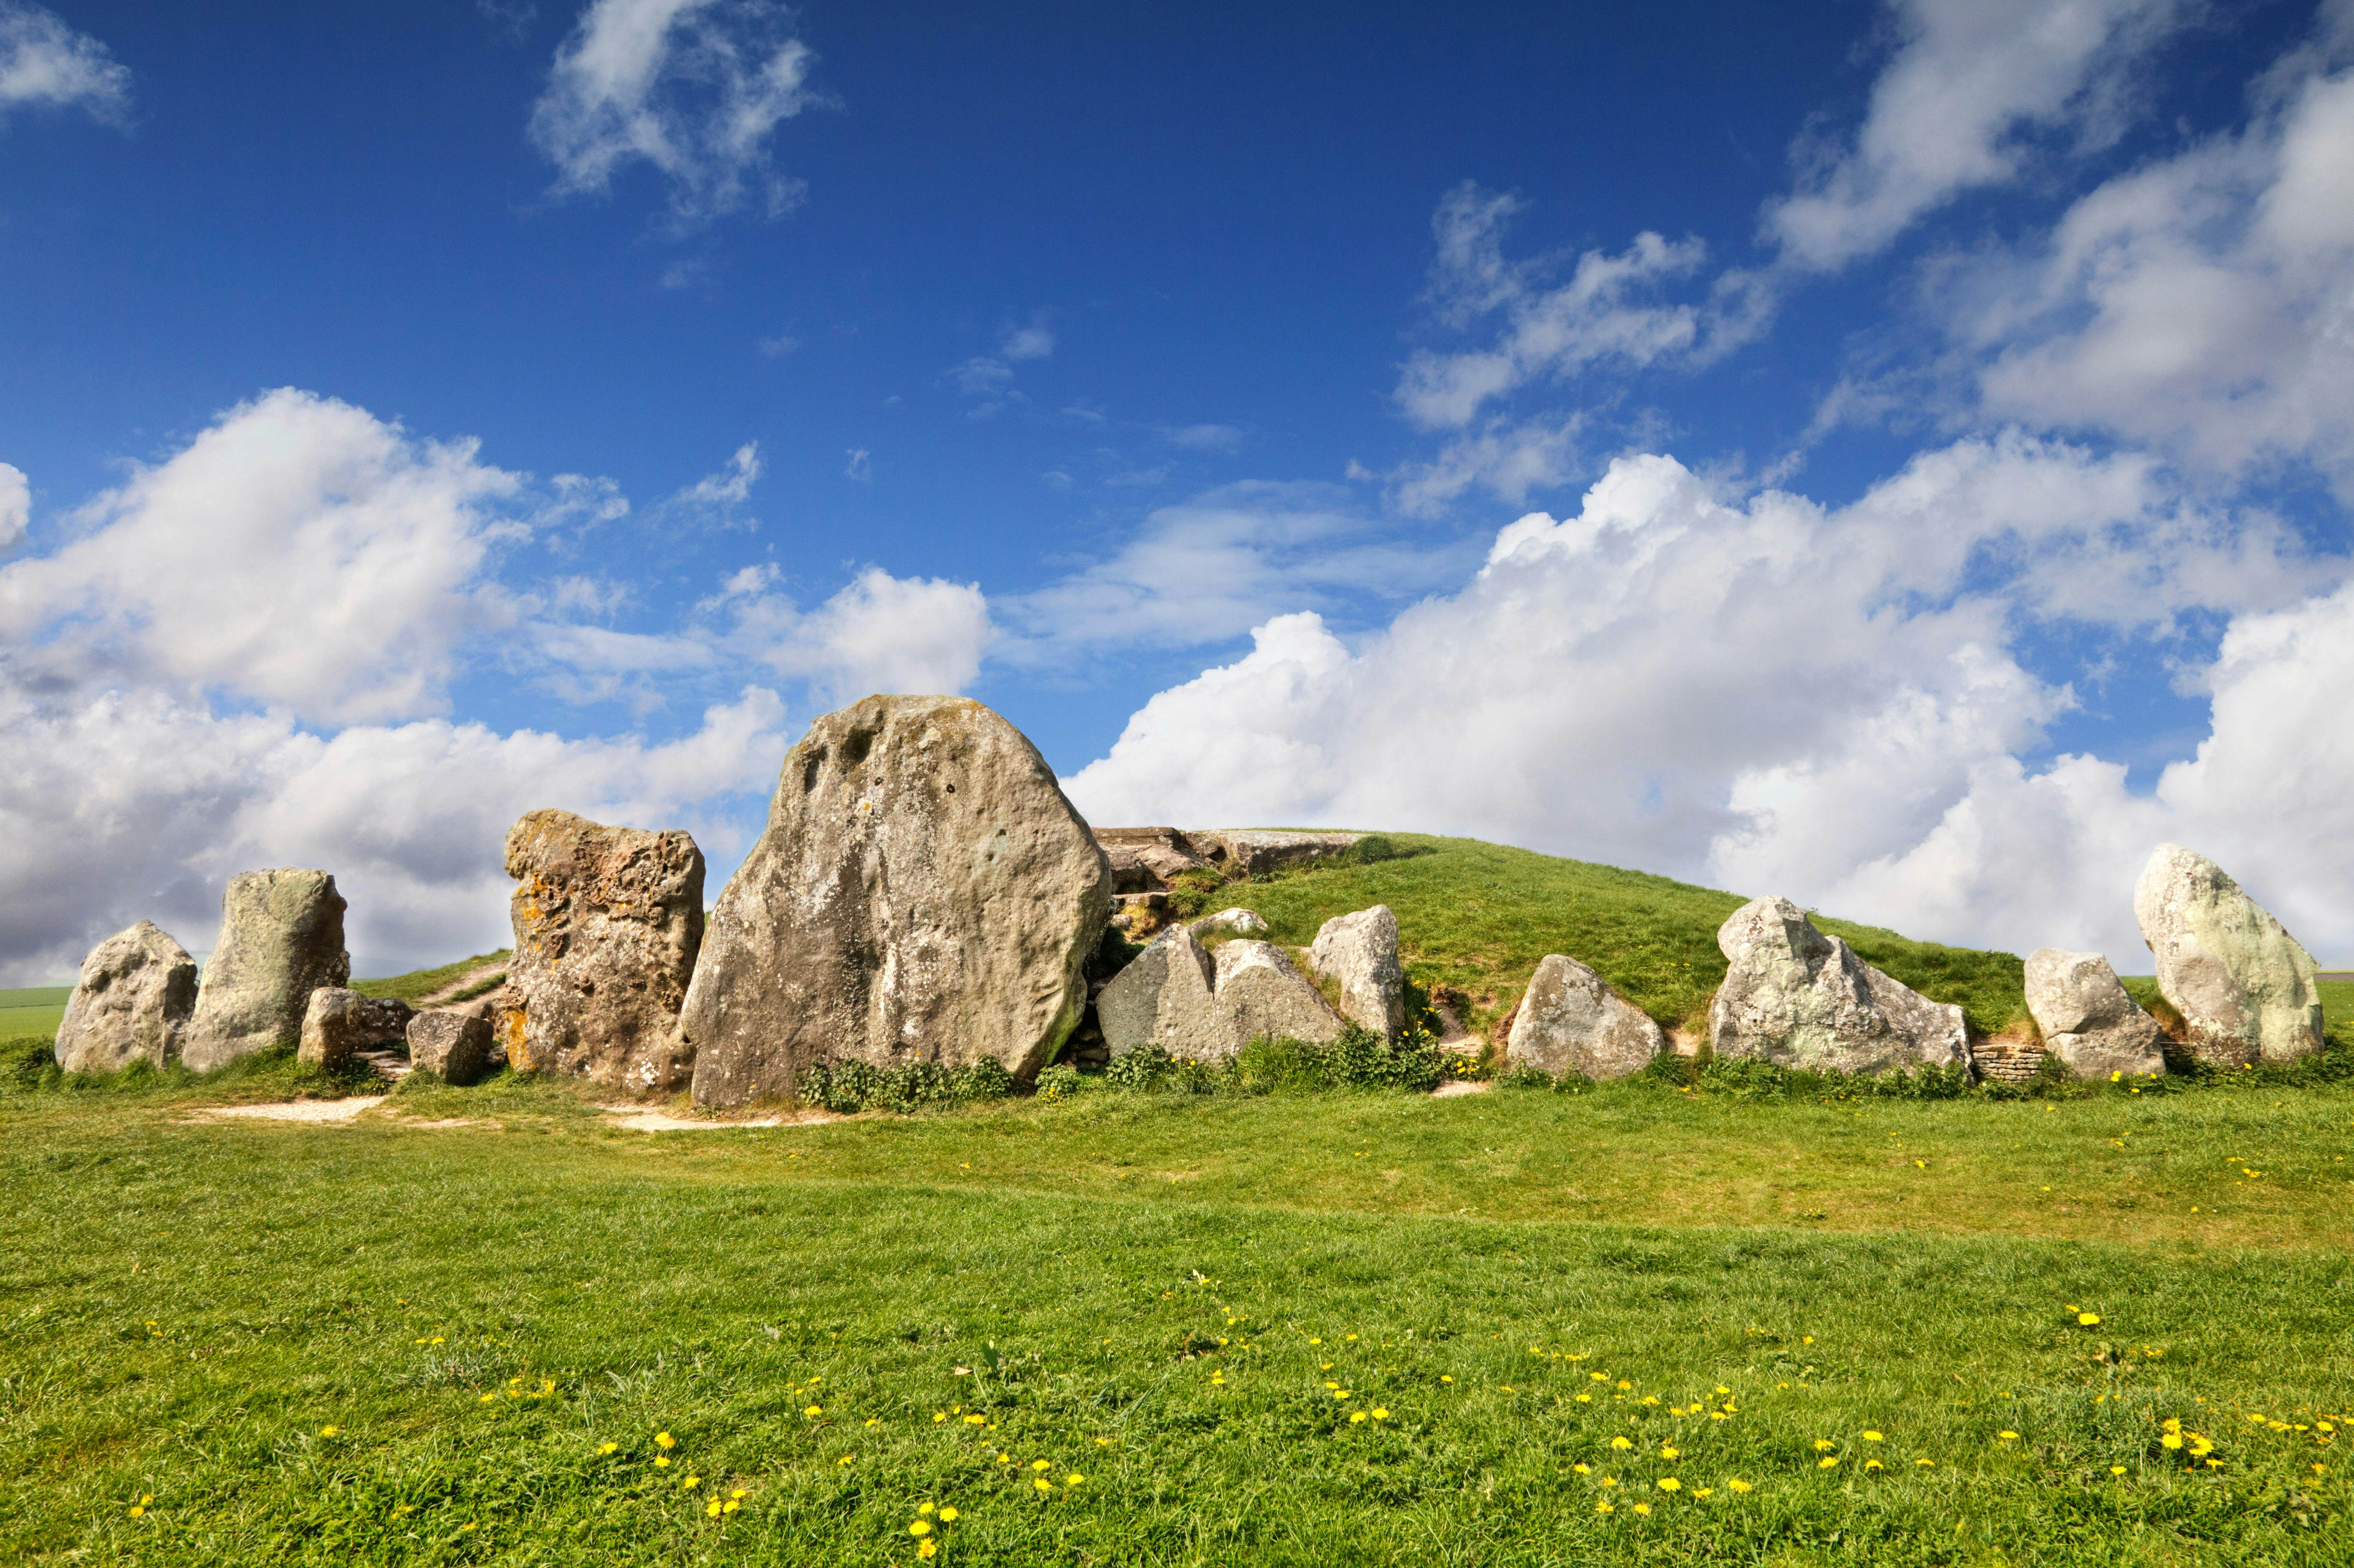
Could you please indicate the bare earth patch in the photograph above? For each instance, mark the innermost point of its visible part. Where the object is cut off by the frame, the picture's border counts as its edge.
(1455, 1086)
(641, 1119)
(300, 1110)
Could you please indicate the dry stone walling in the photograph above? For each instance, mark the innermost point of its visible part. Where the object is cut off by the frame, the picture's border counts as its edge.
(2086, 1018)
(923, 892)
(1797, 998)
(282, 937)
(1570, 1021)
(608, 924)
(2245, 988)
(131, 1003)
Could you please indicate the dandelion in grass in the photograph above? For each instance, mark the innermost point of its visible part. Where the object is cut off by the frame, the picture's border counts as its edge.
(664, 1440)
(1669, 1451)
(1040, 1465)
(2117, 1469)
(1380, 1413)
(926, 1549)
(947, 1516)
(2008, 1435)
(1604, 1508)
(607, 1447)
(2088, 1320)
(814, 1410)
(1043, 1484)
(714, 1507)
(1871, 1437)
(689, 1483)
(1926, 1464)
(1582, 1469)
(1670, 1484)
(1622, 1442)
(1824, 1445)
(1703, 1491)
(662, 1461)
(1643, 1508)
(1872, 1464)
(329, 1431)
(1828, 1462)
(922, 1527)
(1737, 1485)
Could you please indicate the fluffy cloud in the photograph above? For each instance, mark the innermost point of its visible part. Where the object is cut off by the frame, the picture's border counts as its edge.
(693, 88)
(880, 634)
(299, 553)
(1972, 86)
(16, 504)
(45, 64)
(1762, 693)
(2202, 305)
(716, 500)
(128, 804)
(1605, 312)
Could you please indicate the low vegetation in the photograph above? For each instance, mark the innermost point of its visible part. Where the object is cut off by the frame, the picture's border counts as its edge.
(426, 982)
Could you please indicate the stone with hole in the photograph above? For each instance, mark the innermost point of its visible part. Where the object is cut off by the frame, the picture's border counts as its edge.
(282, 937)
(923, 893)
(131, 1003)
(1569, 1021)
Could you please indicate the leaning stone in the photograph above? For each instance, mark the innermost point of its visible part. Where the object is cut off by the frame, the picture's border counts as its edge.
(2246, 990)
(1799, 999)
(131, 1003)
(1570, 1021)
(1260, 993)
(1360, 951)
(2087, 1019)
(608, 923)
(1164, 996)
(282, 937)
(923, 892)
(1235, 922)
(451, 1046)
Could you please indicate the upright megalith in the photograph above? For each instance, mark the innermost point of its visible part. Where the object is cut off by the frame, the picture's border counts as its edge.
(608, 924)
(282, 937)
(1570, 1021)
(450, 1045)
(1797, 998)
(1359, 953)
(2086, 1017)
(131, 1003)
(923, 892)
(2246, 990)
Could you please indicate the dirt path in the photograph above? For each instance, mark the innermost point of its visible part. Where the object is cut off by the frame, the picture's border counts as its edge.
(443, 996)
(300, 1110)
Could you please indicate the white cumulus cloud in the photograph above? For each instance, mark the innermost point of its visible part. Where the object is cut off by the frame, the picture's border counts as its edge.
(16, 504)
(45, 64)
(693, 88)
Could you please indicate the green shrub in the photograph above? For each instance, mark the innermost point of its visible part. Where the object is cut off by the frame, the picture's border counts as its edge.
(1146, 1068)
(848, 1087)
(1061, 1081)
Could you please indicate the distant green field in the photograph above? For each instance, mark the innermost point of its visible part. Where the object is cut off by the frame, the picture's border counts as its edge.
(33, 1010)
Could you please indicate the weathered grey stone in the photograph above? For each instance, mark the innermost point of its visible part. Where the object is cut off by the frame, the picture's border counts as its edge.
(2246, 990)
(282, 937)
(131, 1003)
(1233, 922)
(1570, 1021)
(1251, 851)
(1146, 860)
(1203, 1007)
(1797, 998)
(1360, 952)
(452, 1045)
(923, 892)
(339, 1024)
(2087, 1019)
(607, 922)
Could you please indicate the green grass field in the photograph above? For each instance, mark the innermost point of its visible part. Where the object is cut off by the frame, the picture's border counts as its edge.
(33, 1011)
(487, 1326)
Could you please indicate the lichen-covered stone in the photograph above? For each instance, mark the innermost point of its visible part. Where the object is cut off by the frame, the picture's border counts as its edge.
(1358, 952)
(923, 892)
(1570, 1021)
(608, 924)
(282, 937)
(130, 1004)
(2087, 1019)
(1797, 998)
(2246, 990)
(1201, 1006)
(450, 1044)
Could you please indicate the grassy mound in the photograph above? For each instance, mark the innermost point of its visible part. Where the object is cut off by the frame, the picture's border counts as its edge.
(1477, 918)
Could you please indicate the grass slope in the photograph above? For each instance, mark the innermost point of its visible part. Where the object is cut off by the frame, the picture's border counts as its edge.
(33, 1011)
(398, 1342)
(1479, 916)
(424, 982)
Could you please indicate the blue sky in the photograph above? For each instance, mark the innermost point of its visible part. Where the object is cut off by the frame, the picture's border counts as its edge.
(416, 415)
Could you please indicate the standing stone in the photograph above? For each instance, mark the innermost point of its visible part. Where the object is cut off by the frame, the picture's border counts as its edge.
(340, 1024)
(282, 937)
(1205, 1007)
(1360, 952)
(131, 1003)
(1797, 998)
(2245, 989)
(1570, 1021)
(923, 892)
(607, 922)
(2087, 1019)
(451, 1046)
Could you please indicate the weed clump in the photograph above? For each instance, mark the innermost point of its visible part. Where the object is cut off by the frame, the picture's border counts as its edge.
(1358, 1059)
(851, 1086)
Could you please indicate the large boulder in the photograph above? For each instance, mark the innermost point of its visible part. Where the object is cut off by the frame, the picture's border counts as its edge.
(923, 892)
(1201, 1006)
(1797, 998)
(340, 1024)
(1253, 851)
(2087, 1019)
(450, 1044)
(607, 922)
(1360, 953)
(2245, 989)
(1146, 860)
(1570, 1021)
(282, 937)
(130, 1004)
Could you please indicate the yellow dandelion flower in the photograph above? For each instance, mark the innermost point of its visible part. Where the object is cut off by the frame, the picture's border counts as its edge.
(1828, 1462)
(1736, 1484)
(947, 1516)
(814, 1410)
(843, 1461)
(1872, 1464)
(1444, 1378)
(1871, 1437)
(1670, 1484)
(1073, 1479)
(714, 1507)
(329, 1431)
(976, 1420)
(925, 1549)
(1582, 1469)
(921, 1527)
(1040, 1465)
(1667, 1451)
(1043, 1484)
(1355, 1416)
(1926, 1464)
(663, 1439)
(2117, 1469)
(1380, 1413)
(1622, 1443)
(2171, 1440)
(662, 1461)
(1603, 1508)
(691, 1483)
(137, 1509)
(940, 1415)
(607, 1447)
(2088, 1319)
(1643, 1508)
(730, 1506)
(1823, 1445)
(2008, 1435)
